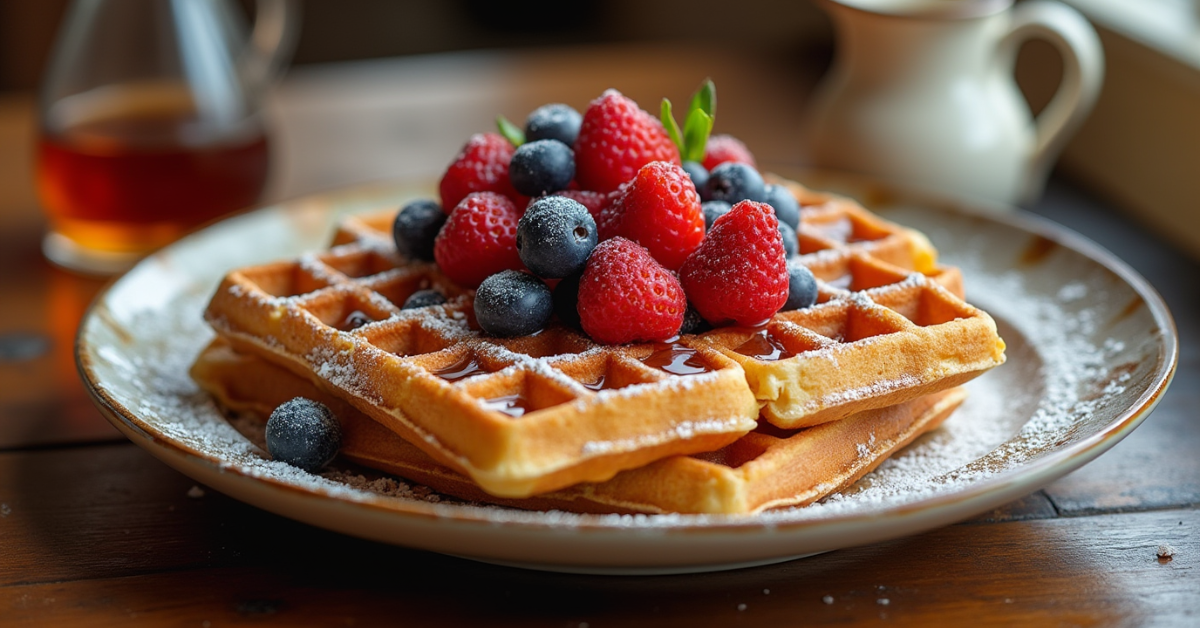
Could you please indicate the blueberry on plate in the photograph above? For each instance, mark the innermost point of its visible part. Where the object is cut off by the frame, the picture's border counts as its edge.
(541, 167)
(512, 303)
(787, 209)
(802, 287)
(417, 224)
(555, 121)
(712, 211)
(733, 182)
(699, 176)
(304, 434)
(791, 244)
(555, 236)
(423, 298)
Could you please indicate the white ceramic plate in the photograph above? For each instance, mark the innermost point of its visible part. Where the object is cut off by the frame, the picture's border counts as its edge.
(1091, 349)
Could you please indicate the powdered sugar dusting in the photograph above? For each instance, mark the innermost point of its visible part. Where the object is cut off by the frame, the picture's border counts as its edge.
(1070, 366)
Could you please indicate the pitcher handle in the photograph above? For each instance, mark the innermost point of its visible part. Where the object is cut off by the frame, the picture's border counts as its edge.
(1083, 73)
(276, 25)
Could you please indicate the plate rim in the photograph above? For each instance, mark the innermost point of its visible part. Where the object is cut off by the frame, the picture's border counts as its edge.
(975, 497)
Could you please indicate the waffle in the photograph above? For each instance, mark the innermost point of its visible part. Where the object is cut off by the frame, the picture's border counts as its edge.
(764, 469)
(829, 222)
(585, 411)
(881, 335)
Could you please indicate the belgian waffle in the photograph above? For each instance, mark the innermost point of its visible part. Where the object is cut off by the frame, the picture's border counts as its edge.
(764, 469)
(882, 335)
(585, 411)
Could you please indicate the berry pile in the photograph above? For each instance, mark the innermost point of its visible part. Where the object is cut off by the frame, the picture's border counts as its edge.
(614, 221)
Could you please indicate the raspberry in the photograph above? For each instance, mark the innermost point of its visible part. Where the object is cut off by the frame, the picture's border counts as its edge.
(481, 166)
(626, 296)
(660, 210)
(479, 239)
(739, 273)
(595, 202)
(615, 139)
(723, 148)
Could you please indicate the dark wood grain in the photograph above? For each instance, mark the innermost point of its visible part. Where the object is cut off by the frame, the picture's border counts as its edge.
(120, 539)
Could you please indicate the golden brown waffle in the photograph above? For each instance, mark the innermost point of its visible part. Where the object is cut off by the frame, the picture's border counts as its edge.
(884, 335)
(585, 411)
(829, 222)
(764, 469)
(881, 336)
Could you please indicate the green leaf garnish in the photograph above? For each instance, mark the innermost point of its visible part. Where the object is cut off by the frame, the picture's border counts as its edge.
(695, 135)
(510, 131)
(668, 122)
(697, 125)
(705, 99)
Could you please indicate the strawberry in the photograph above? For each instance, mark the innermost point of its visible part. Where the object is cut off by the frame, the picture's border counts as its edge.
(739, 273)
(626, 296)
(479, 239)
(481, 166)
(723, 148)
(615, 139)
(660, 210)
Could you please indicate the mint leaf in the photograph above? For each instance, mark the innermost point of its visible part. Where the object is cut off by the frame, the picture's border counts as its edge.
(510, 131)
(705, 99)
(668, 122)
(695, 134)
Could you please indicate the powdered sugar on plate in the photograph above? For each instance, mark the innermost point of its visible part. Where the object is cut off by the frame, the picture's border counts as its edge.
(1072, 362)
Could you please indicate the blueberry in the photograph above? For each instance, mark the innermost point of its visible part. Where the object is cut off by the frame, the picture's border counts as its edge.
(693, 323)
(802, 287)
(791, 244)
(553, 122)
(566, 300)
(733, 182)
(304, 434)
(712, 211)
(512, 303)
(555, 236)
(423, 298)
(416, 226)
(787, 209)
(699, 177)
(541, 167)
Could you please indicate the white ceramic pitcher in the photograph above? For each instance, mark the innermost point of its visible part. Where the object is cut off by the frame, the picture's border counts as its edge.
(922, 91)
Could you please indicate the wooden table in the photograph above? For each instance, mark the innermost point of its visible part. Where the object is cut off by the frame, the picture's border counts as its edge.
(94, 531)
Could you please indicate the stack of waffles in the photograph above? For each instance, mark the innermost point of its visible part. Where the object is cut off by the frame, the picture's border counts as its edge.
(733, 420)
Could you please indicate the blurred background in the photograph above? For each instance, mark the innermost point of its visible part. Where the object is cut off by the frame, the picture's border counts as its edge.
(361, 29)
(1139, 149)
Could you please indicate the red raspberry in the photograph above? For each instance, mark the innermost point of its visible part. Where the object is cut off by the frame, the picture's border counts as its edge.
(723, 148)
(660, 210)
(481, 166)
(595, 202)
(479, 239)
(626, 296)
(740, 272)
(615, 139)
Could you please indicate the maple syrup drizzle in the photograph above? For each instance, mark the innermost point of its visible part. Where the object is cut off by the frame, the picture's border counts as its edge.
(600, 384)
(462, 369)
(677, 359)
(764, 346)
(354, 320)
(514, 405)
